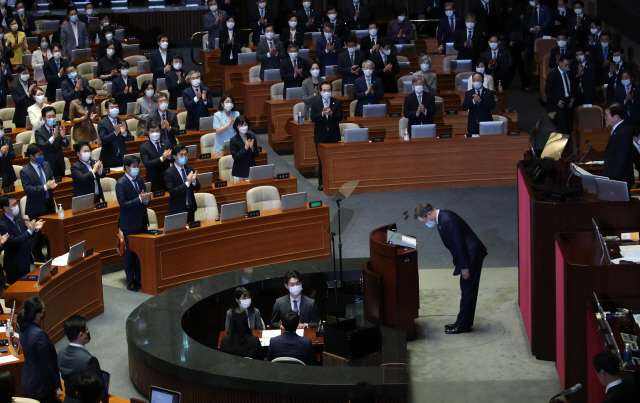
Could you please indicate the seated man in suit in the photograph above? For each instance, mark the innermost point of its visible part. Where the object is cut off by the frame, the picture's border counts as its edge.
(38, 183)
(296, 302)
(214, 21)
(289, 344)
(133, 199)
(469, 41)
(479, 101)
(160, 59)
(607, 368)
(618, 157)
(349, 62)
(269, 52)
(197, 100)
(155, 154)
(182, 182)
(560, 90)
(497, 60)
(244, 149)
(169, 126)
(328, 47)
(86, 173)
(7, 155)
(625, 96)
(54, 71)
(52, 139)
(386, 66)
(17, 236)
(21, 93)
(113, 133)
(71, 87)
(125, 87)
(561, 49)
(367, 90)
(74, 360)
(420, 106)
(293, 69)
(448, 26)
(326, 113)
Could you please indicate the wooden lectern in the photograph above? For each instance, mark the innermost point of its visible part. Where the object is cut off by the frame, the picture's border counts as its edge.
(390, 278)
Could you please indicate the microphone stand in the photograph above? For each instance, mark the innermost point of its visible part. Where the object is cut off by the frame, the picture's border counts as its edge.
(335, 274)
(339, 243)
(579, 162)
(579, 148)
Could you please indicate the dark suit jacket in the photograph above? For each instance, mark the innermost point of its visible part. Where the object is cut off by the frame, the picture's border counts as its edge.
(286, 34)
(360, 88)
(503, 59)
(243, 159)
(588, 79)
(34, 190)
(178, 190)
(621, 393)
(102, 49)
(618, 159)
(411, 106)
(83, 180)
(344, 66)
(31, 23)
(327, 59)
(196, 110)
(169, 135)
(118, 92)
(444, 29)
(254, 19)
(226, 48)
(250, 348)
(54, 82)
(69, 93)
(485, 22)
(480, 112)
(6, 76)
(459, 238)
(133, 213)
(479, 44)
(308, 311)
(174, 87)
(316, 14)
(555, 90)
(17, 250)
(339, 28)
(632, 107)
(597, 54)
(151, 161)
(23, 101)
(7, 173)
(615, 80)
(157, 66)
(111, 143)
(209, 22)
(40, 375)
(286, 73)
(326, 129)
(569, 15)
(74, 361)
(389, 80)
(272, 62)
(362, 22)
(289, 344)
(578, 34)
(255, 320)
(555, 52)
(53, 153)
(544, 20)
(366, 44)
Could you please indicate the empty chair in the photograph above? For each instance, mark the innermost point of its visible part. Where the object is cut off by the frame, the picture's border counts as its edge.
(23, 205)
(263, 198)
(67, 167)
(108, 188)
(130, 50)
(182, 120)
(500, 118)
(24, 138)
(463, 76)
(254, 74)
(207, 207)
(402, 80)
(336, 87)
(16, 170)
(277, 91)
(588, 117)
(153, 219)
(132, 124)
(6, 115)
(225, 165)
(98, 85)
(85, 69)
(95, 154)
(299, 107)
(59, 107)
(344, 126)
(352, 108)
(133, 62)
(206, 143)
(144, 77)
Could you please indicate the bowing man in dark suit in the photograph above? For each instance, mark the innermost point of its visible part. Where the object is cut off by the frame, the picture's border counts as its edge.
(448, 26)
(560, 92)
(607, 368)
(71, 87)
(17, 248)
(125, 87)
(182, 183)
(386, 66)
(197, 100)
(133, 199)
(479, 101)
(358, 16)
(625, 96)
(244, 149)
(239, 341)
(326, 113)
(367, 90)
(242, 300)
(21, 94)
(289, 344)
(74, 360)
(86, 174)
(270, 51)
(349, 62)
(468, 253)
(297, 302)
(310, 19)
(328, 47)
(155, 154)
(469, 41)
(7, 155)
(113, 133)
(420, 106)
(52, 139)
(169, 126)
(293, 69)
(259, 18)
(618, 157)
(160, 59)
(54, 71)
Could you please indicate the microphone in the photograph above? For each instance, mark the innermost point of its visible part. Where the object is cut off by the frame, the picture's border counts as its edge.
(399, 226)
(405, 215)
(567, 392)
(579, 148)
(579, 162)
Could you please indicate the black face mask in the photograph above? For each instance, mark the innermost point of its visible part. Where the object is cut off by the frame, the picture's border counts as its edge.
(43, 315)
(89, 336)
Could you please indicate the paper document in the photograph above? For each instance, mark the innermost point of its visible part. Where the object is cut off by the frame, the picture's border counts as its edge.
(409, 240)
(267, 334)
(630, 248)
(637, 318)
(265, 342)
(61, 260)
(7, 358)
(117, 169)
(630, 236)
(300, 332)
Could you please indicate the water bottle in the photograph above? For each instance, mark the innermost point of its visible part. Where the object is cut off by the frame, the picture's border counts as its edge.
(60, 211)
(208, 46)
(406, 135)
(299, 118)
(499, 85)
(627, 356)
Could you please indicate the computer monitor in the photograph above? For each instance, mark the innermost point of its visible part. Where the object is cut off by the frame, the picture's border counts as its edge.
(109, 85)
(405, 67)
(450, 50)
(464, 85)
(611, 190)
(226, 147)
(81, 54)
(205, 180)
(272, 75)
(160, 395)
(106, 377)
(293, 201)
(261, 172)
(192, 151)
(460, 66)
(75, 253)
(131, 107)
(589, 183)
(206, 123)
(81, 203)
(406, 49)
(374, 111)
(230, 211)
(247, 58)
(356, 135)
(275, 36)
(175, 222)
(423, 131)
(294, 94)
(330, 71)
(487, 128)
(50, 25)
(143, 66)
(359, 33)
(347, 90)
(407, 87)
(44, 272)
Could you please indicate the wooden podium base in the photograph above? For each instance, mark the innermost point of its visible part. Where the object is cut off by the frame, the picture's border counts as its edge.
(371, 360)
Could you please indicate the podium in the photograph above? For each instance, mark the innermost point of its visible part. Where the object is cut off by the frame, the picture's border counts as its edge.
(390, 279)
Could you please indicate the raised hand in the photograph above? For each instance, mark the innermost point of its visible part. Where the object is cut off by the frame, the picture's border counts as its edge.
(31, 225)
(39, 225)
(123, 128)
(94, 116)
(167, 68)
(166, 154)
(4, 149)
(62, 131)
(165, 125)
(4, 238)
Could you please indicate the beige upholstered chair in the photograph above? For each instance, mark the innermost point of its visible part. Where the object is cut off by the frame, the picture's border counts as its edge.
(85, 69)
(446, 62)
(225, 165)
(206, 143)
(277, 91)
(352, 108)
(108, 188)
(182, 120)
(500, 118)
(153, 219)
(16, 170)
(95, 153)
(67, 167)
(59, 107)
(144, 77)
(462, 76)
(132, 124)
(207, 207)
(263, 198)
(344, 126)
(6, 114)
(24, 137)
(336, 87)
(297, 108)
(254, 74)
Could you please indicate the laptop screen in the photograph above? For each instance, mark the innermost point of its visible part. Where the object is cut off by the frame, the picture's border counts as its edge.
(106, 377)
(159, 395)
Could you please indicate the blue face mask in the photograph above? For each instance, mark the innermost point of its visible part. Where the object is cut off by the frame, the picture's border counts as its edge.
(73, 18)
(51, 122)
(625, 82)
(430, 224)
(114, 112)
(39, 160)
(73, 75)
(134, 172)
(182, 160)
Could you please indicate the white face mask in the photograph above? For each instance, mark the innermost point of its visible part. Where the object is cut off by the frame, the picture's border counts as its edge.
(401, 18)
(562, 44)
(477, 85)
(616, 59)
(306, 4)
(470, 25)
(243, 129)
(177, 66)
(124, 72)
(16, 209)
(110, 52)
(230, 25)
(24, 77)
(578, 11)
(328, 35)
(532, 3)
(604, 44)
(164, 45)
(418, 89)
(580, 58)
(295, 290)
(480, 70)
(44, 45)
(14, 27)
(386, 52)
(293, 55)
(430, 224)
(213, 8)
(228, 107)
(89, 101)
(293, 24)
(20, 11)
(352, 50)
(108, 37)
(195, 82)
(163, 106)
(315, 72)
(269, 35)
(245, 303)
(373, 32)
(561, 9)
(149, 93)
(90, 11)
(593, 31)
(493, 45)
(326, 95)
(449, 13)
(86, 156)
(154, 136)
(332, 17)
(3, 2)
(262, 5)
(367, 72)
(57, 55)
(39, 98)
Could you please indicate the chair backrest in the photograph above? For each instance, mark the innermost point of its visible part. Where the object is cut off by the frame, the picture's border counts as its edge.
(16, 170)
(24, 138)
(589, 117)
(206, 143)
(10, 103)
(254, 74)
(180, 105)
(439, 104)
(446, 62)
(336, 87)
(297, 108)
(133, 62)
(288, 360)
(144, 77)
(225, 164)
(277, 91)
(108, 188)
(98, 85)
(207, 207)
(344, 126)
(352, 108)
(402, 126)
(462, 76)
(263, 198)
(6, 115)
(67, 167)
(500, 118)
(23, 205)
(543, 46)
(130, 50)
(153, 219)
(402, 80)
(59, 107)
(545, 67)
(84, 69)
(182, 120)
(95, 153)
(132, 124)
(205, 39)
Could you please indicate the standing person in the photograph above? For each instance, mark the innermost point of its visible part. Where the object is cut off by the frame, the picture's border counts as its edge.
(326, 113)
(105, 40)
(40, 375)
(349, 62)
(86, 174)
(144, 107)
(469, 42)
(370, 43)
(113, 133)
(468, 253)
(292, 34)
(21, 92)
(108, 65)
(160, 59)
(6, 75)
(83, 113)
(71, 87)
(73, 35)
(259, 18)
(368, 89)
(42, 54)
(168, 119)
(479, 101)
(182, 183)
(339, 26)
(310, 19)
(386, 66)
(18, 235)
(607, 367)
(229, 46)
(560, 90)
(197, 100)
(25, 20)
(18, 41)
(293, 69)
(448, 26)
(7, 155)
(270, 51)
(125, 88)
(155, 154)
(176, 81)
(358, 16)
(213, 21)
(496, 60)
(244, 149)
(52, 139)
(618, 159)
(35, 111)
(223, 122)
(400, 30)
(54, 71)
(328, 47)
(310, 90)
(420, 106)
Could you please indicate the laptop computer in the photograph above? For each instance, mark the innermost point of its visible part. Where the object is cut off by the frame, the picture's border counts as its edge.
(261, 172)
(175, 222)
(330, 71)
(356, 135)
(405, 67)
(80, 54)
(464, 84)
(293, 201)
(272, 75)
(230, 211)
(487, 128)
(44, 272)
(75, 253)
(374, 111)
(192, 151)
(423, 131)
(52, 25)
(106, 377)
(406, 49)
(160, 395)
(359, 33)
(263, 37)
(589, 183)
(247, 58)
(304, 54)
(226, 147)
(131, 107)
(450, 50)
(82, 203)
(294, 94)
(611, 190)
(407, 87)
(460, 66)
(205, 180)
(206, 123)
(143, 66)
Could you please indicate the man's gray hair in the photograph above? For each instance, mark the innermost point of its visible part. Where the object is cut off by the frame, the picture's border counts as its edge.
(422, 209)
(426, 57)
(449, 3)
(368, 63)
(416, 77)
(470, 16)
(191, 72)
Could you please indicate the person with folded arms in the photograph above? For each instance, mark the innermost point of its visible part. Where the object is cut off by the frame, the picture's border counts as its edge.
(86, 173)
(244, 149)
(242, 299)
(240, 341)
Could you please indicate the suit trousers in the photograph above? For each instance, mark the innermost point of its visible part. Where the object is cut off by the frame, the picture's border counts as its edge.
(131, 260)
(191, 213)
(564, 118)
(37, 237)
(469, 291)
(319, 166)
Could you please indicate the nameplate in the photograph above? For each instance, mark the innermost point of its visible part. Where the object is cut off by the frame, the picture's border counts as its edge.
(221, 184)
(155, 232)
(9, 189)
(377, 140)
(445, 136)
(99, 206)
(344, 117)
(508, 110)
(146, 53)
(421, 54)
(513, 133)
(394, 115)
(183, 132)
(54, 271)
(28, 278)
(587, 105)
(4, 343)
(315, 204)
(58, 179)
(452, 112)
(195, 224)
(88, 252)
(283, 176)
(259, 149)
(204, 156)
(106, 170)
(254, 213)
(3, 323)
(7, 130)
(159, 193)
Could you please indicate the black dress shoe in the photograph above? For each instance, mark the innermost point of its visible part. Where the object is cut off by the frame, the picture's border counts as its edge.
(458, 330)
(131, 287)
(320, 188)
(451, 326)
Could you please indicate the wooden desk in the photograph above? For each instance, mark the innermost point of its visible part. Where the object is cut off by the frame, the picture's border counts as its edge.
(211, 76)
(168, 260)
(99, 227)
(309, 333)
(598, 138)
(15, 367)
(232, 77)
(396, 164)
(76, 289)
(258, 93)
(63, 193)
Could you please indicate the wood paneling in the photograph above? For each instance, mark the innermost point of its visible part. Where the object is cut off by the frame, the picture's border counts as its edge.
(232, 77)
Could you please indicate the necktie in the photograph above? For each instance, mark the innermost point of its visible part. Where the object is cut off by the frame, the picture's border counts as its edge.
(352, 59)
(537, 17)
(295, 65)
(495, 55)
(373, 41)
(15, 221)
(453, 28)
(261, 13)
(357, 7)
(58, 66)
(50, 132)
(628, 89)
(308, 15)
(135, 185)
(164, 117)
(566, 83)
(606, 53)
(270, 45)
(419, 99)
(158, 148)
(368, 82)
(478, 92)
(44, 181)
(469, 39)
(295, 306)
(486, 6)
(184, 178)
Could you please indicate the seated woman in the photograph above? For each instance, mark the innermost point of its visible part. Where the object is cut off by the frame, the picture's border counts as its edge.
(244, 149)
(8, 388)
(35, 110)
(240, 341)
(242, 299)
(223, 122)
(488, 80)
(108, 64)
(229, 42)
(144, 107)
(83, 113)
(310, 90)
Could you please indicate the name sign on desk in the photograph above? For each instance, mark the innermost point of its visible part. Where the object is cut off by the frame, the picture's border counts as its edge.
(54, 271)
(394, 115)
(508, 110)
(513, 133)
(146, 53)
(254, 213)
(283, 176)
(221, 184)
(7, 130)
(445, 136)
(88, 252)
(195, 224)
(58, 179)
(315, 204)
(377, 140)
(204, 156)
(183, 132)
(159, 193)
(106, 170)
(99, 206)
(452, 112)
(9, 189)
(259, 149)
